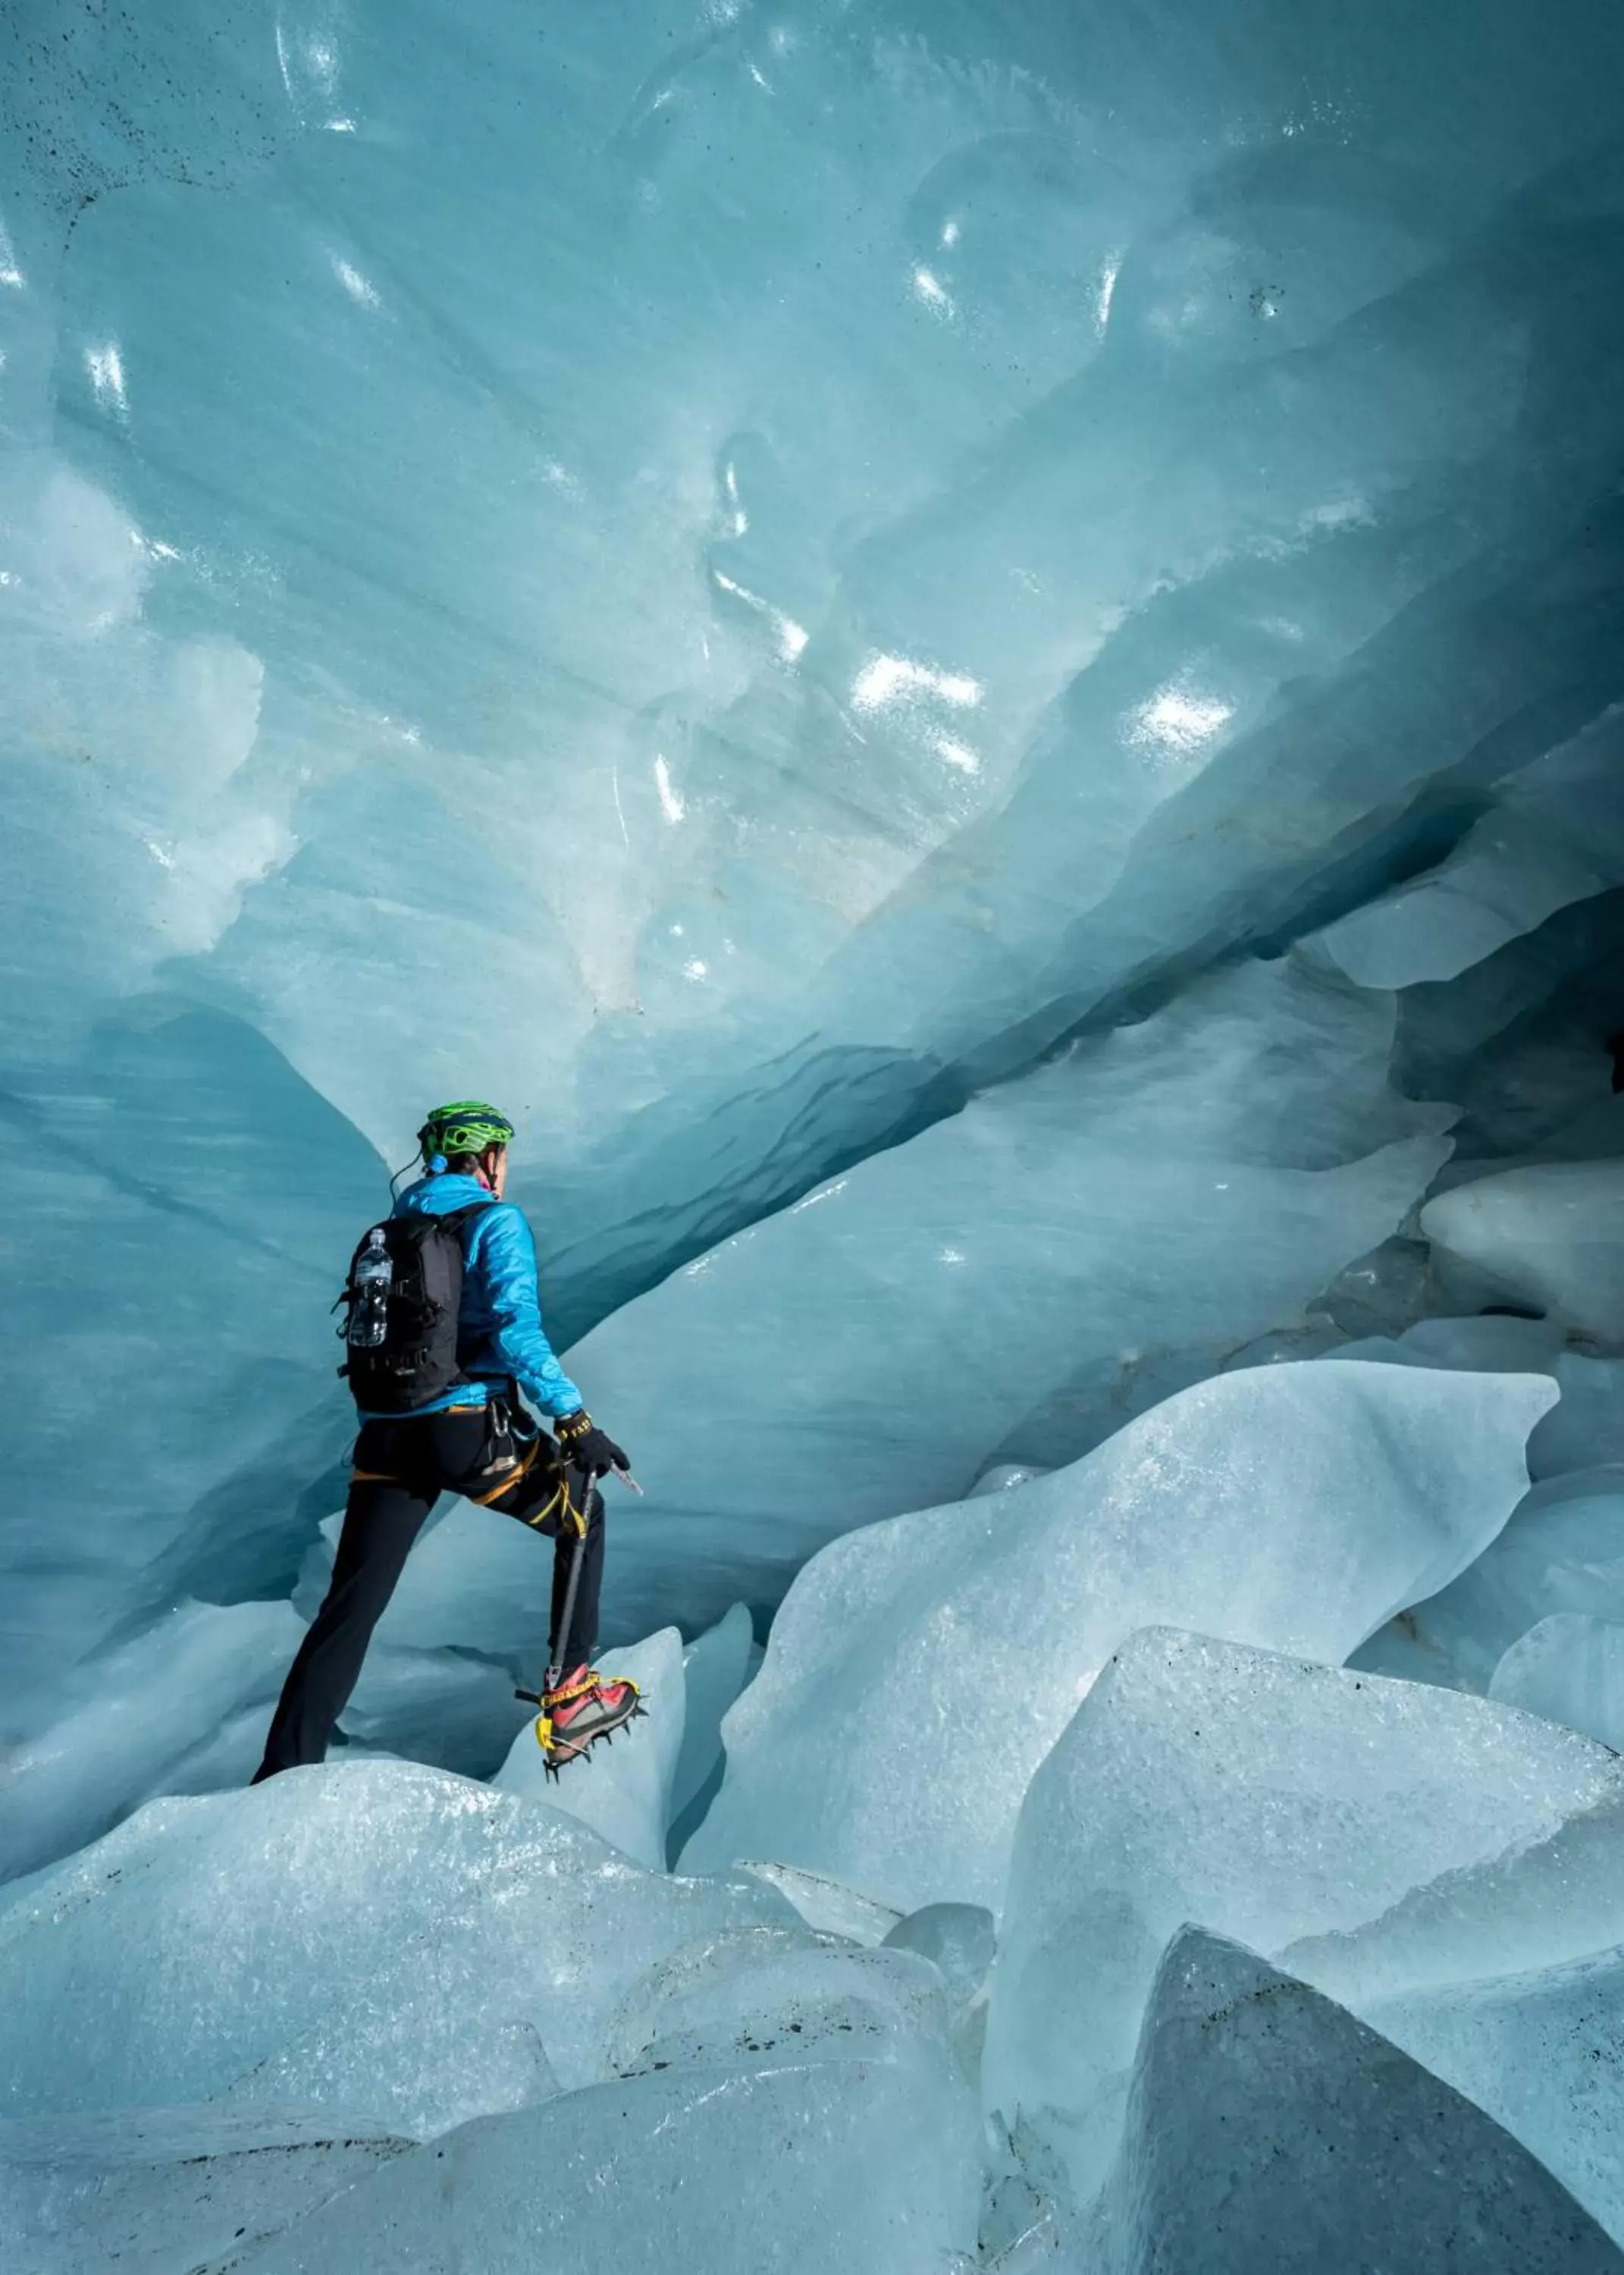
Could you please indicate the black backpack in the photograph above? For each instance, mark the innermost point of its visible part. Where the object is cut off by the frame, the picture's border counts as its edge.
(416, 1361)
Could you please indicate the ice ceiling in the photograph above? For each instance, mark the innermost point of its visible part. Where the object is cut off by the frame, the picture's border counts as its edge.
(969, 654)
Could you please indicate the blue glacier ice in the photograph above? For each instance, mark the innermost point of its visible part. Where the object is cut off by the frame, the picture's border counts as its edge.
(1569, 1668)
(624, 1790)
(376, 1936)
(1374, 1836)
(155, 2188)
(1378, 1481)
(1233, 2054)
(398, 586)
(1551, 1235)
(867, 2159)
(1538, 2050)
(970, 655)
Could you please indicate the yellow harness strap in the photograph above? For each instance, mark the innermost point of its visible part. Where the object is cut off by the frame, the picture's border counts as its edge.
(590, 1682)
(577, 1516)
(520, 1470)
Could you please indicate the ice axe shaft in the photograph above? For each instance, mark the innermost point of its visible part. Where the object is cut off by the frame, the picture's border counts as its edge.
(555, 1670)
(555, 1665)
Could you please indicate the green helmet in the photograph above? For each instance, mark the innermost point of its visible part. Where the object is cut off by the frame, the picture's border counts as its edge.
(466, 1126)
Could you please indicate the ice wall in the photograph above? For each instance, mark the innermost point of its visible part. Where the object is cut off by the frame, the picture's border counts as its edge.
(793, 593)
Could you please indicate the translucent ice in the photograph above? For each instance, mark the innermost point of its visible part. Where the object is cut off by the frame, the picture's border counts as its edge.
(958, 1940)
(180, 1292)
(1285, 1804)
(1268, 2127)
(1253, 1125)
(858, 2163)
(140, 1725)
(149, 2191)
(622, 1788)
(815, 600)
(1562, 1552)
(1544, 2054)
(1493, 1344)
(394, 590)
(1550, 1234)
(763, 1996)
(715, 1669)
(373, 1935)
(446, 1707)
(1585, 1430)
(826, 1905)
(1296, 1506)
(1569, 1669)
(1554, 835)
(1540, 2050)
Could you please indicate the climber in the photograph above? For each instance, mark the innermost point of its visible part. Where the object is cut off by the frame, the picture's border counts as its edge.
(440, 1412)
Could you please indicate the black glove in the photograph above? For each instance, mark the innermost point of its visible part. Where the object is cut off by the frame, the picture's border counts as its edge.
(587, 1447)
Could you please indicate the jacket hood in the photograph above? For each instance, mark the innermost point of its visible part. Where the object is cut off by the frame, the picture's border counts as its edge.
(439, 1196)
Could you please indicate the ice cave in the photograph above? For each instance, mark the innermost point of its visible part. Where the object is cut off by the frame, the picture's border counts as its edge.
(970, 654)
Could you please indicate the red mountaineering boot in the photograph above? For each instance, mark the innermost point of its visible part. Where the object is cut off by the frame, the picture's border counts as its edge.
(583, 1709)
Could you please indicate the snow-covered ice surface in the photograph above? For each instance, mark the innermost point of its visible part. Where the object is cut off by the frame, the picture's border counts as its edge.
(961, 1640)
(970, 654)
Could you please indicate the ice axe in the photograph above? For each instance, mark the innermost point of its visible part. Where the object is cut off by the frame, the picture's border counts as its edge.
(555, 1666)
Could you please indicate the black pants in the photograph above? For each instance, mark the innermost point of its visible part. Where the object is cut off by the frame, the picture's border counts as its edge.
(401, 1469)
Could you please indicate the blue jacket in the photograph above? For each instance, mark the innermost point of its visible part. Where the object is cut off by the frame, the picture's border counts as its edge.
(499, 1331)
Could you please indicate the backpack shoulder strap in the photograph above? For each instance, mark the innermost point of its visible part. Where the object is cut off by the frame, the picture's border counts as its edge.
(460, 1217)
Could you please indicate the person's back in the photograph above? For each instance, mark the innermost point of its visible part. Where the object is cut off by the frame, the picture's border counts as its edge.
(473, 1436)
(500, 1337)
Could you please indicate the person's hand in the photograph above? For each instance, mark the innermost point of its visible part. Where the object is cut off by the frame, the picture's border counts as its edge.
(587, 1447)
